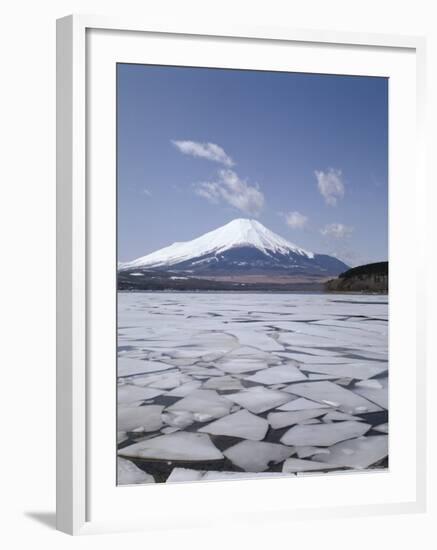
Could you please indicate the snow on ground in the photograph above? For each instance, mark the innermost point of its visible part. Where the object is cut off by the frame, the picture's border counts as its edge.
(228, 385)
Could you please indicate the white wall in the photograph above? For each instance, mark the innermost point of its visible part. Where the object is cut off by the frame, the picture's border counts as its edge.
(27, 306)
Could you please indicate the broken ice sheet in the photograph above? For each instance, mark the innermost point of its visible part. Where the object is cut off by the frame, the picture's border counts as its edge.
(238, 365)
(184, 389)
(306, 450)
(130, 394)
(178, 446)
(169, 429)
(314, 350)
(146, 418)
(373, 384)
(279, 420)
(219, 476)
(121, 436)
(255, 338)
(195, 370)
(256, 456)
(336, 415)
(334, 395)
(130, 367)
(294, 339)
(357, 453)
(161, 328)
(212, 342)
(223, 383)
(166, 381)
(259, 399)
(383, 428)
(277, 375)
(246, 359)
(129, 474)
(300, 404)
(292, 465)
(305, 359)
(321, 377)
(354, 369)
(179, 475)
(324, 435)
(206, 402)
(178, 419)
(240, 424)
(378, 396)
(187, 474)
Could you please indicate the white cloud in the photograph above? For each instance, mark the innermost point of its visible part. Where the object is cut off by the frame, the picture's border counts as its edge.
(336, 230)
(296, 220)
(232, 189)
(208, 190)
(208, 151)
(330, 184)
(146, 192)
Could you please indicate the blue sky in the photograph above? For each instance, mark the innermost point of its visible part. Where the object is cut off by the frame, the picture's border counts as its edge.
(306, 155)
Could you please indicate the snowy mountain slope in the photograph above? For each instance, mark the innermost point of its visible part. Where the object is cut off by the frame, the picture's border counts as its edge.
(242, 245)
(237, 233)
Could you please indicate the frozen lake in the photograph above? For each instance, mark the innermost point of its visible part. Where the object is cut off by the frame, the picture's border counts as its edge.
(228, 385)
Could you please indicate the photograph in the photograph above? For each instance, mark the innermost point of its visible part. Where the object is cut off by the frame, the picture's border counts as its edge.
(252, 274)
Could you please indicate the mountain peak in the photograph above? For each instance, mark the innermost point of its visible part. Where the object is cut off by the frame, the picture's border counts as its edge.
(245, 224)
(238, 233)
(242, 222)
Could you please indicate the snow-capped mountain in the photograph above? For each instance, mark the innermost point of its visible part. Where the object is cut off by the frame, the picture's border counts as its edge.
(241, 246)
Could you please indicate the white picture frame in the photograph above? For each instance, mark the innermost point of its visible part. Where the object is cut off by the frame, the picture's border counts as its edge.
(75, 309)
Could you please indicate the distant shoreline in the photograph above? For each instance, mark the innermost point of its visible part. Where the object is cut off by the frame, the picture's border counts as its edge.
(252, 291)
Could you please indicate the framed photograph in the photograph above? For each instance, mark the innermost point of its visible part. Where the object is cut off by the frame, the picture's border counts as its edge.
(240, 275)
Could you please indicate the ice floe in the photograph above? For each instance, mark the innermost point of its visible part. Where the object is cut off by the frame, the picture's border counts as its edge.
(301, 404)
(179, 475)
(324, 435)
(187, 474)
(357, 453)
(259, 399)
(128, 393)
(372, 384)
(129, 474)
(306, 451)
(337, 416)
(292, 465)
(129, 367)
(240, 424)
(184, 389)
(178, 419)
(246, 359)
(277, 375)
(205, 402)
(168, 381)
(353, 369)
(256, 456)
(279, 420)
(376, 395)
(383, 428)
(169, 429)
(146, 418)
(332, 394)
(223, 383)
(178, 446)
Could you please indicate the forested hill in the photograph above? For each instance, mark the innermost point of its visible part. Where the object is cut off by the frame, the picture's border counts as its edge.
(364, 278)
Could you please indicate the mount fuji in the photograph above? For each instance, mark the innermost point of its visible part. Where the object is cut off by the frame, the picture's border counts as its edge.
(241, 248)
